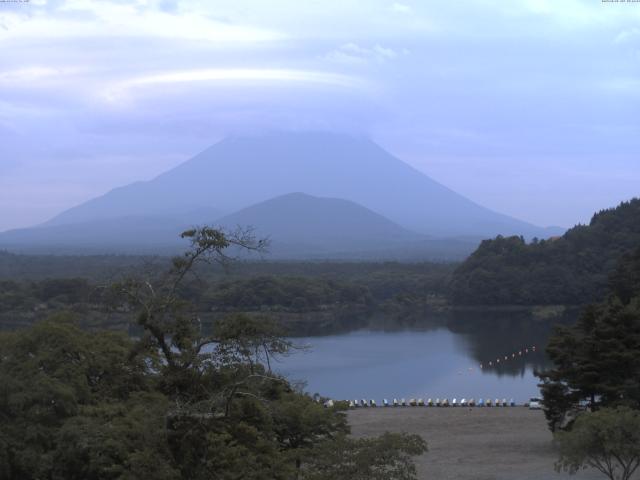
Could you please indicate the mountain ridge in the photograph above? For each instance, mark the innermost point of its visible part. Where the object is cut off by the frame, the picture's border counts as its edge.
(242, 171)
(300, 226)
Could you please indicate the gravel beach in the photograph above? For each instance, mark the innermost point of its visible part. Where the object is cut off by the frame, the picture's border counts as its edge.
(472, 443)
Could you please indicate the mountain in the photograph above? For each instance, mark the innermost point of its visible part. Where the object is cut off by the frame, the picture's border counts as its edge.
(127, 234)
(571, 269)
(303, 226)
(242, 171)
(320, 223)
(298, 226)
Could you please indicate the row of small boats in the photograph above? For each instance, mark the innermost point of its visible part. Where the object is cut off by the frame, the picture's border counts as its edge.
(434, 403)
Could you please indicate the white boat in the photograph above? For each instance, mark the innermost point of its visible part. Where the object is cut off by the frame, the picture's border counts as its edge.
(430, 403)
(445, 402)
(403, 402)
(472, 402)
(412, 402)
(364, 403)
(463, 402)
(328, 403)
(504, 402)
(372, 403)
(351, 404)
(488, 402)
(480, 402)
(385, 402)
(454, 402)
(438, 402)
(420, 402)
(395, 402)
(356, 403)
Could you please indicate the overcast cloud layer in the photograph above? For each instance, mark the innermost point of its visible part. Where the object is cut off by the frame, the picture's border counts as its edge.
(528, 107)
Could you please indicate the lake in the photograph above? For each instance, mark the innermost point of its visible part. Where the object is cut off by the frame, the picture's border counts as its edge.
(428, 363)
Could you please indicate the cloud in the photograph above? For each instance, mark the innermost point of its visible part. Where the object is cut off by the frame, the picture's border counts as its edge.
(626, 37)
(120, 90)
(35, 74)
(86, 18)
(401, 8)
(352, 53)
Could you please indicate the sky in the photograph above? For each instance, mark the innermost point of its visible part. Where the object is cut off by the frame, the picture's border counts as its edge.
(528, 107)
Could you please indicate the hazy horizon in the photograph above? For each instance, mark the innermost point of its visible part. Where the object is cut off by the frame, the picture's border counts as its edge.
(527, 108)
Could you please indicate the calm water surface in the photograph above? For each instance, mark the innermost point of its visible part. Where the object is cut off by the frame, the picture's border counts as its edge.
(419, 363)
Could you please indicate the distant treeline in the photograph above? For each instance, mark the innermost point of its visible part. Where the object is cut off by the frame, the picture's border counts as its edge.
(572, 269)
(308, 298)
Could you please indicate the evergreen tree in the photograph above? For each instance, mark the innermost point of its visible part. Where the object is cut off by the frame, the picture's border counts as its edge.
(598, 359)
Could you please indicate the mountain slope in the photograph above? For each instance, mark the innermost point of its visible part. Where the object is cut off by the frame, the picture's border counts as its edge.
(334, 223)
(130, 234)
(572, 269)
(299, 226)
(135, 233)
(242, 171)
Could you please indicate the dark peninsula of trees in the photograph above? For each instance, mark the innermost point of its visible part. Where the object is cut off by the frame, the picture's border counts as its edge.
(570, 270)
(308, 298)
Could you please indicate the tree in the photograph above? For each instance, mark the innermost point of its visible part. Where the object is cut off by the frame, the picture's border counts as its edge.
(171, 326)
(177, 403)
(607, 440)
(252, 340)
(72, 405)
(300, 424)
(567, 270)
(597, 360)
(228, 408)
(388, 457)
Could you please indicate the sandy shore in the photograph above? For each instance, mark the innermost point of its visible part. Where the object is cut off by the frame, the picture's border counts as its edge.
(479, 443)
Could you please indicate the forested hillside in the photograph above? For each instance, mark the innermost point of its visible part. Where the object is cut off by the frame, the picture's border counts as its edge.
(307, 298)
(572, 269)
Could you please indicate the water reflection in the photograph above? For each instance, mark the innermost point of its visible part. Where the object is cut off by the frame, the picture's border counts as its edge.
(429, 360)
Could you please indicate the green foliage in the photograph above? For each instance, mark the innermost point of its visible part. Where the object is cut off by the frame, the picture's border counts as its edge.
(388, 457)
(306, 298)
(625, 280)
(607, 440)
(294, 293)
(597, 359)
(177, 403)
(51, 375)
(571, 269)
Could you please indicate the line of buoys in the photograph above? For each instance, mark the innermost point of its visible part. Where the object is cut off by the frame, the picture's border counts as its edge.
(488, 402)
(507, 357)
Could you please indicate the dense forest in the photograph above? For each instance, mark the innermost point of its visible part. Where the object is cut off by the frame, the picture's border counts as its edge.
(306, 297)
(326, 297)
(174, 403)
(597, 360)
(570, 270)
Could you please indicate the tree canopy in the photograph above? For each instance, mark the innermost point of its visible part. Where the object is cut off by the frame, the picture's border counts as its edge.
(597, 360)
(176, 403)
(607, 440)
(572, 269)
